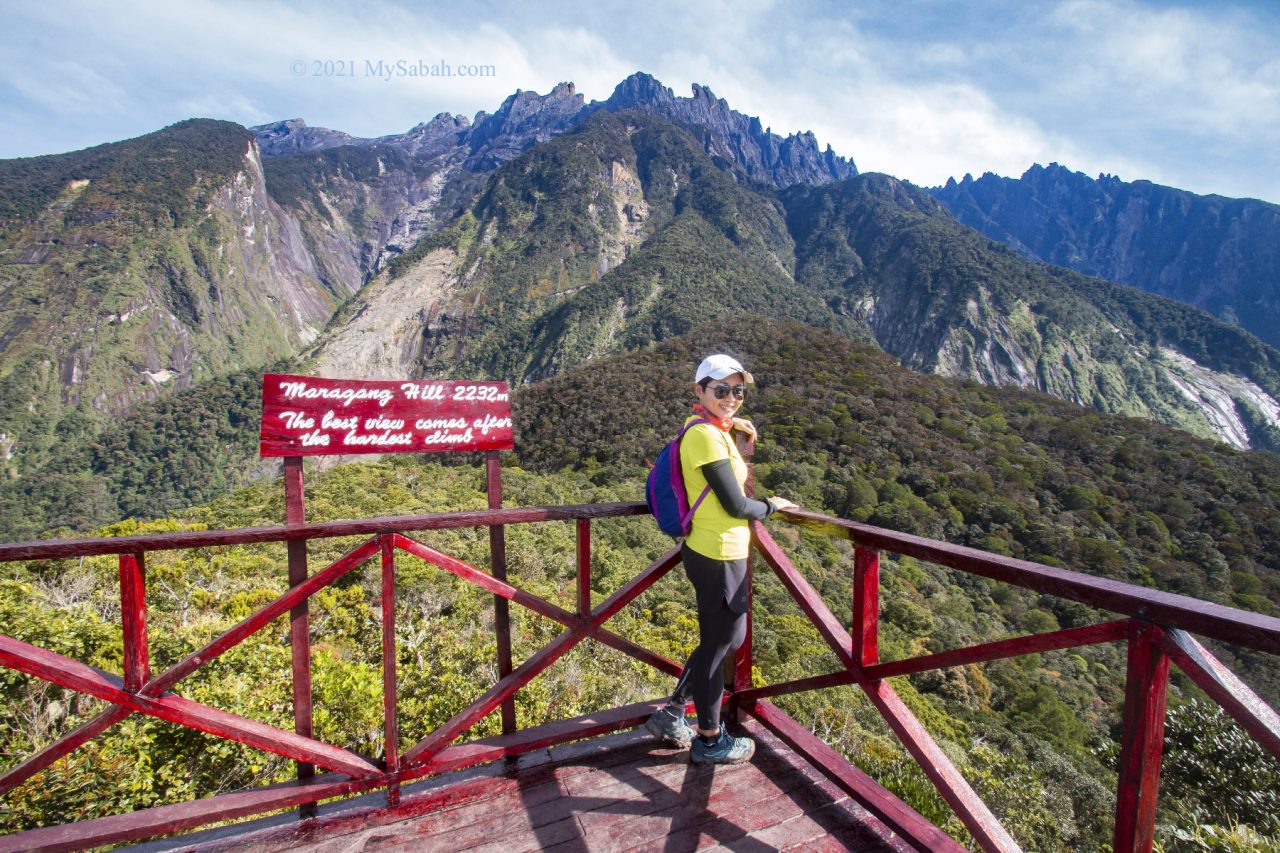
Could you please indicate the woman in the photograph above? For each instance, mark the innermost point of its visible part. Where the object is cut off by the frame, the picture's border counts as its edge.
(715, 560)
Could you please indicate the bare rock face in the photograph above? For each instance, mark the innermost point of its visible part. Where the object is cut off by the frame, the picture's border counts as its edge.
(1233, 405)
(273, 255)
(631, 212)
(383, 338)
(523, 120)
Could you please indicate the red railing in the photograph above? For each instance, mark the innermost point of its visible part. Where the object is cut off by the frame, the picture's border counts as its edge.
(1155, 629)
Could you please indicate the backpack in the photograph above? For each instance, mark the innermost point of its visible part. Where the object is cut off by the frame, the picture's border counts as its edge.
(664, 489)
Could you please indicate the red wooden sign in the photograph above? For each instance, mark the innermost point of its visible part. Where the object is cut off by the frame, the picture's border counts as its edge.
(308, 416)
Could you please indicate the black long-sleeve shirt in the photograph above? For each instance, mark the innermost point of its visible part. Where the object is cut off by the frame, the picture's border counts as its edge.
(724, 484)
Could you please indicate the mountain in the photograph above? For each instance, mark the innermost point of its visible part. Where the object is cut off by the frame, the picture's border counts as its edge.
(592, 254)
(361, 202)
(1219, 254)
(138, 266)
(734, 137)
(607, 237)
(548, 234)
(946, 300)
(624, 231)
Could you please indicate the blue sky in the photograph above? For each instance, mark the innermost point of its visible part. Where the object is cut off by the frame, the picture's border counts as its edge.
(1185, 94)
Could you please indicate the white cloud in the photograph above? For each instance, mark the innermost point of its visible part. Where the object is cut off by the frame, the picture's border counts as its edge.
(1205, 72)
(68, 87)
(921, 90)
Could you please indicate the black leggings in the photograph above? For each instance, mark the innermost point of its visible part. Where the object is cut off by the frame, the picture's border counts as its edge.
(721, 629)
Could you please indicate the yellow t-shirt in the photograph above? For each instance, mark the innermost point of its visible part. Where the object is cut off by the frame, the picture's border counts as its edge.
(714, 533)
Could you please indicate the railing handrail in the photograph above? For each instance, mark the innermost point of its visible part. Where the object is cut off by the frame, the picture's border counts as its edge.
(101, 545)
(1229, 624)
(1218, 621)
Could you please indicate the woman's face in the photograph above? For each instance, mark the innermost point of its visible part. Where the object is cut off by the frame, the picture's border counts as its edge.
(729, 404)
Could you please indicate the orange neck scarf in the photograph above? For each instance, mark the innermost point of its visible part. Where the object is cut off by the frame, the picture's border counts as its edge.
(724, 424)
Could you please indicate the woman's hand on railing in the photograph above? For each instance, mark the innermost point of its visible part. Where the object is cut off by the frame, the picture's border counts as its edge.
(780, 503)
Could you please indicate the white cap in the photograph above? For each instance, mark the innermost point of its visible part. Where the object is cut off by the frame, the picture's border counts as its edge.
(719, 366)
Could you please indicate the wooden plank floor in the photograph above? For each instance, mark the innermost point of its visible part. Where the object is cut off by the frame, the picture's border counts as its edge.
(620, 792)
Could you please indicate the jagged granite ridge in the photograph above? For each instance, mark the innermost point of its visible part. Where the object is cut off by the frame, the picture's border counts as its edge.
(526, 118)
(434, 170)
(1219, 254)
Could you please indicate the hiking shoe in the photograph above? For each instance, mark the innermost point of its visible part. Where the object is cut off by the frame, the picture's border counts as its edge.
(665, 726)
(726, 750)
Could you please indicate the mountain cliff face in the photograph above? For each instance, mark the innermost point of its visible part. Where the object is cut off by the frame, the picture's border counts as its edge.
(1219, 254)
(361, 202)
(360, 205)
(139, 266)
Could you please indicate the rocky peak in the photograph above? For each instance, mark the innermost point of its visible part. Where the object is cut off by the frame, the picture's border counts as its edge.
(527, 118)
(442, 135)
(1057, 178)
(293, 136)
(442, 123)
(524, 119)
(736, 137)
(448, 119)
(640, 89)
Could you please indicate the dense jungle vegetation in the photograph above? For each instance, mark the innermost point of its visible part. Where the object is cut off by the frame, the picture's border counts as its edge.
(845, 430)
(182, 449)
(162, 178)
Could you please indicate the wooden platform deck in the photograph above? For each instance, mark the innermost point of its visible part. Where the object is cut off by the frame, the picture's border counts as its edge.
(619, 792)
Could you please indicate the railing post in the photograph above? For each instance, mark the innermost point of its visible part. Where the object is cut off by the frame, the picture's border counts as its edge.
(133, 618)
(498, 557)
(1142, 742)
(584, 567)
(740, 676)
(299, 616)
(866, 604)
(391, 720)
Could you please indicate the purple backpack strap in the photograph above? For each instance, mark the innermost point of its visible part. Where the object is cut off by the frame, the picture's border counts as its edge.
(687, 520)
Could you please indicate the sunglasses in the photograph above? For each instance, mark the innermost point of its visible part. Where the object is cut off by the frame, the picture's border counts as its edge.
(722, 391)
